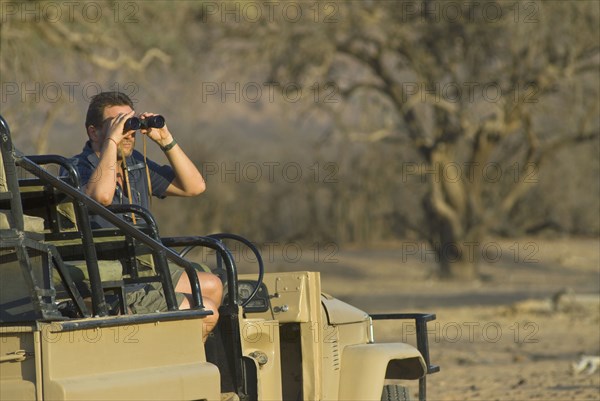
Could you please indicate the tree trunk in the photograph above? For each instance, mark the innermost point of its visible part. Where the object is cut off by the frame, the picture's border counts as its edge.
(456, 263)
(458, 257)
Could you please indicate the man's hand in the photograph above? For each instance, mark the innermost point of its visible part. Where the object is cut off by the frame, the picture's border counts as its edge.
(161, 136)
(188, 180)
(115, 129)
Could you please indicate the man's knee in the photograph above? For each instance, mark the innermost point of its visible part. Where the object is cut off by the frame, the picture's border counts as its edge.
(210, 284)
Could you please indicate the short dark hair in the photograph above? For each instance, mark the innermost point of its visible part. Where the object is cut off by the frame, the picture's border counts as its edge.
(100, 102)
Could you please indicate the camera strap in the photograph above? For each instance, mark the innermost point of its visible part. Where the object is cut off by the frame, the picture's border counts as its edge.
(127, 181)
(147, 173)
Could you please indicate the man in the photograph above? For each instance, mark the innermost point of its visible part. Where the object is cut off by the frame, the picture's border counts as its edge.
(105, 179)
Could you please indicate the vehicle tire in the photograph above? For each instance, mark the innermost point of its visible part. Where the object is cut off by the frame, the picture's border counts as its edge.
(394, 392)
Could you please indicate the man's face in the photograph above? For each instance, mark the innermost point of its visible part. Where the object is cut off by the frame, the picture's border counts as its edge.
(128, 142)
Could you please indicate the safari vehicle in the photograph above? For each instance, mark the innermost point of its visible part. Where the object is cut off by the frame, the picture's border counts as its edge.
(64, 337)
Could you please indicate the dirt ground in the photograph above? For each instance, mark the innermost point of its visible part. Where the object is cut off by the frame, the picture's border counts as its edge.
(514, 335)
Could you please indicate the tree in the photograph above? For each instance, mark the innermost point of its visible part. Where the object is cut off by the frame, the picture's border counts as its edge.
(478, 90)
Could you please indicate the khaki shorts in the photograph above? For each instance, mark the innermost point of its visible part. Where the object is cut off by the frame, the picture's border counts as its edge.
(140, 298)
(150, 297)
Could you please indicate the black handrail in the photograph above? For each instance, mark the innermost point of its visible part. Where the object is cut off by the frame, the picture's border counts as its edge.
(102, 211)
(421, 320)
(61, 161)
(231, 269)
(259, 260)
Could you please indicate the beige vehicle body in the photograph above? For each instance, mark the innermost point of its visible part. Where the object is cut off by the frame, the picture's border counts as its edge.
(289, 342)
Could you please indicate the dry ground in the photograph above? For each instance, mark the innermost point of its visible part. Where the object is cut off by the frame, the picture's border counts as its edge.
(500, 338)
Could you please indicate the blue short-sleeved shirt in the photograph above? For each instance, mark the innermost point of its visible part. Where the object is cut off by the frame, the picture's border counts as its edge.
(160, 176)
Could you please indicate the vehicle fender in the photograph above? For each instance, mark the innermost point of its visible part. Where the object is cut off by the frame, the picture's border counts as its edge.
(366, 366)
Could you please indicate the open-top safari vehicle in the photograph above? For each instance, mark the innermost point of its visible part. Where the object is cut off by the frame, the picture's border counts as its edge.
(66, 337)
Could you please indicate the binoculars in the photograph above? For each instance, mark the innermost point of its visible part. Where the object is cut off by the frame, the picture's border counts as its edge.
(135, 123)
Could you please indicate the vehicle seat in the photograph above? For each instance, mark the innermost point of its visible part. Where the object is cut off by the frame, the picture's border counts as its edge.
(32, 223)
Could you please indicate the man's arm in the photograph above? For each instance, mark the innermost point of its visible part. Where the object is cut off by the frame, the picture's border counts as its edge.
(103, 182)
(188, 180)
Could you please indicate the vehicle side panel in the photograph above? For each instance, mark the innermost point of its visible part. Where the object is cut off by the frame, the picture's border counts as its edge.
(262, 337)
(17, 377)
(335, 339)
(157, 360)
(296, 301)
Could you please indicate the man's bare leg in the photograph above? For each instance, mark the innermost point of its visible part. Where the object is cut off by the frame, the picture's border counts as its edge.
(212, 294)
